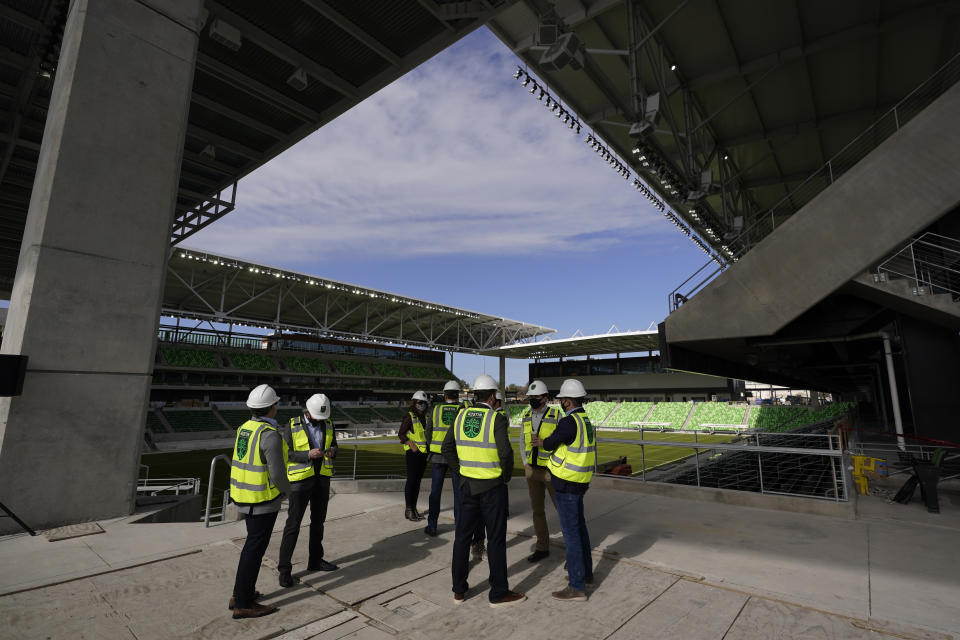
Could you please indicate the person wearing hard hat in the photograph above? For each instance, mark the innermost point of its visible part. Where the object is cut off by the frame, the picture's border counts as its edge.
(439, 421)
(538, 420)
(258, 478)
(573, 458)
(478, 447)
(413, 436)
(311, 447)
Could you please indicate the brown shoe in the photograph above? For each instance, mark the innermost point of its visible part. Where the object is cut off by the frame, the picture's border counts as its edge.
(255, 611)
(570, 595)
(458, 598)
(507, 599)
(256, 596)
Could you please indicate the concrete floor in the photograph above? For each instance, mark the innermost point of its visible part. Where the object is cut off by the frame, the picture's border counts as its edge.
(665, 568)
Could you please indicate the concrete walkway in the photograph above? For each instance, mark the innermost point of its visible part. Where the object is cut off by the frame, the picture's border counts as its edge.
(665, 568)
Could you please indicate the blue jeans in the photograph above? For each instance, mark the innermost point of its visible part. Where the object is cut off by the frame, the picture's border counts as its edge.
(575, 536)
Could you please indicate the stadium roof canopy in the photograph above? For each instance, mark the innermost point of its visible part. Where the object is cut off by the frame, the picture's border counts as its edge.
(624, 342)
(213, 288)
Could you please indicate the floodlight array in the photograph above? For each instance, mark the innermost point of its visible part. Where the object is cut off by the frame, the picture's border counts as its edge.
(551, 103)
(608, 156)
(649, 194)
(652, 164)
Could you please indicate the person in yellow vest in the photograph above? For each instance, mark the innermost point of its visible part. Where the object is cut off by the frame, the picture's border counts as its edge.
(311, 447)
(573, 458)
(413, 435)
(439, 420)
(538, 420)
(258, 479)
(478, 447)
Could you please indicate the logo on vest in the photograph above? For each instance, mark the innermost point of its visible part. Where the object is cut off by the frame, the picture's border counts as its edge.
(243, 442)
(589, 427)
(448, 414)
(472, 424)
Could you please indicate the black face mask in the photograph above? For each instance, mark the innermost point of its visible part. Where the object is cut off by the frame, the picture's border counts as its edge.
(536, 403)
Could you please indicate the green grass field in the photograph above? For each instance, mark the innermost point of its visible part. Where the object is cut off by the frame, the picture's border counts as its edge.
(387, 459)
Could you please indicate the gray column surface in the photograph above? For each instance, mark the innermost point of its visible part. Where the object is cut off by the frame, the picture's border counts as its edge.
(87, 294)
(907, 183)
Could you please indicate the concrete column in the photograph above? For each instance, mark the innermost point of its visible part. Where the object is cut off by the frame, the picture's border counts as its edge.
(87, 294)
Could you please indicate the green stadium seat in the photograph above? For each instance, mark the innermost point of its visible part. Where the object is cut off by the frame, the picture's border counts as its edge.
(305, 365)
(200, 358)
(194, 420)
(234, 417)
(349, 368)
(776, 418)
(252, 361)
(428, 373)
(598, 411)
(716, 413)
(629, 412)
(516, 411)
(391, 414)
(386, 369)
(362, 415)
(673, 413)
(153, 422)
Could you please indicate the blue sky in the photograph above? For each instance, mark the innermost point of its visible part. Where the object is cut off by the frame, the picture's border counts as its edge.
(455, 176)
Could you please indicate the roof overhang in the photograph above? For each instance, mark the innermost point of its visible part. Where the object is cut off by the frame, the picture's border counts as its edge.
(625, 342)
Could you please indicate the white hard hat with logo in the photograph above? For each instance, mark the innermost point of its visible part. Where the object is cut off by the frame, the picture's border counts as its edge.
(484, 382)
(262, 397)
(420, 395)
(453, 385)
(537, 388)
(572, 389)
(318, 406)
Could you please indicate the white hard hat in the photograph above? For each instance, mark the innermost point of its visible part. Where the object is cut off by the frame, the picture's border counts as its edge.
(420, 395)
(453, 385)
(318, 406)
(484, 382)
(262, 397)
(537, 388)
(572, 389)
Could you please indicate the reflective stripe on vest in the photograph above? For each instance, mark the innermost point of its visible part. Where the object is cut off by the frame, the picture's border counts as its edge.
(476, 447)
(249, 479)
(575, 462)
(297, 471)
(417, 434)
(442, 419)
(548, 425)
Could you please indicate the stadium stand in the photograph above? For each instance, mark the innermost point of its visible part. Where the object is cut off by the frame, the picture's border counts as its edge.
(672, 413)
(772, 418)
(716, 413)
(153, 422)
(428, 373)
(598, 411)
(236, 417)
(305, 365)
(284, 415)
(252, 361)
(629, 412)
(828, 411)
(363, 415)
(337, 415)
(349, 368)
(177, 357)
(386, 369)
(516, 411)
(195, 420)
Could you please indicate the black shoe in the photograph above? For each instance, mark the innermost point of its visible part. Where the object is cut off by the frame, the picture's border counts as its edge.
(537, 555)
(323, 565)
(255, 611)
(418, 516)
(430, 532)
(412, 515)
(286, 580)
(231, 605)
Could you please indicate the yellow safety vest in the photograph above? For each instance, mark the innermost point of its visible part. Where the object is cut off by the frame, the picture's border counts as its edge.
(547, 425)
(442, 419)
(417, 434)
(297, 471)
(249, 480)
(575, 462)
(476, 447)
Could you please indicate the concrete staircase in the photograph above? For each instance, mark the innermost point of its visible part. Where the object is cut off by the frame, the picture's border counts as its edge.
(903, 295)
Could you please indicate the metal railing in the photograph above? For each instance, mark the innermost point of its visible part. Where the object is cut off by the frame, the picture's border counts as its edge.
(226, 492)
(176, 486)
(852, 153)
(931, 262)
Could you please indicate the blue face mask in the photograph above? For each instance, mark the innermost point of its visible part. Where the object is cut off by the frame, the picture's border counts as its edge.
(421, 406)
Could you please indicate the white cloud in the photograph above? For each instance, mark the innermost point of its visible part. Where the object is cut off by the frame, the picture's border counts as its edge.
(453, 158)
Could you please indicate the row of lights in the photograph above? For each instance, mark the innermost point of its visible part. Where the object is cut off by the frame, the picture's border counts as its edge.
(648, 160)
(329, 285)
(649, 194)
(608, 156)
(549, 101)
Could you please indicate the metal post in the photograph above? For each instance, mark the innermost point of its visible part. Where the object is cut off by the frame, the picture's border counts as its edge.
(833, 470)
(643, 463)
(696, 456)
(830, 170)
(355, 449)
(896, 119)
(213, 466)
(760, 468)
(894, 393)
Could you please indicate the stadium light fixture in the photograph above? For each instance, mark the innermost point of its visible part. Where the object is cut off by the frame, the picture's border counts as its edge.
(673, 67)
(518, 73)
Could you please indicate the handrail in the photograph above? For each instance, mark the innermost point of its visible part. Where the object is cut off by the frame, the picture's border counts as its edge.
(213, 468)
(928, 262)
(833, 168)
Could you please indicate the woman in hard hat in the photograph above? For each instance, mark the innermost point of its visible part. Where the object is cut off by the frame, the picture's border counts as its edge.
(414, 439)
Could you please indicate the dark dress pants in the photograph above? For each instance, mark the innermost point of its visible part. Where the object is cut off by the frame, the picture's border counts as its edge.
(416, 464)
(259, 528)
(314, 491)
(487, 510)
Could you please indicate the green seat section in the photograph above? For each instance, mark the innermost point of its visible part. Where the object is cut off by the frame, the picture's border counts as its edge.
(235, 417)
(392, 414)
(349, 368)
(717, 413)
(198, 420)
(828, 411)
(284, 415)
(252, 361)
(672, 413)
(772, 418)
(629, 412)
(153, 422)
(177, 357)
(362, 415)
(598, 411)
(305, 365)
(516, 411)
(386, 369)
(428, 373)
